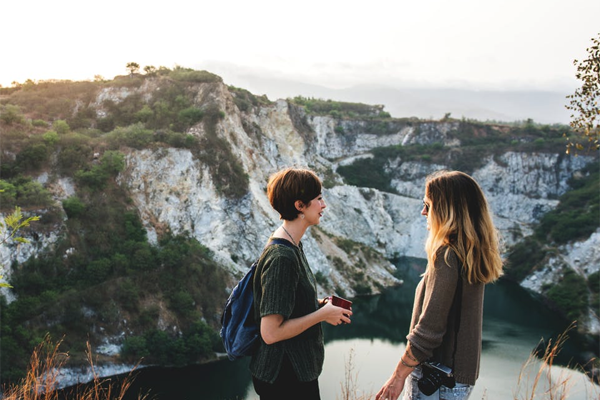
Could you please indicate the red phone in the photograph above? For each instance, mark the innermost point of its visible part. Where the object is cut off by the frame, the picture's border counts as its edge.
(340, 302)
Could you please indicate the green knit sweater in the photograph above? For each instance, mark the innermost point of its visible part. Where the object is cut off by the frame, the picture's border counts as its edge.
(284, 284)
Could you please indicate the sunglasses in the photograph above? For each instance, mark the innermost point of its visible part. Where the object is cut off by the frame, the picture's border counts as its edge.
(426, 206)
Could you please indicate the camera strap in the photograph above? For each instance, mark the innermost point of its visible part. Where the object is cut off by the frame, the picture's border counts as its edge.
(458, 304)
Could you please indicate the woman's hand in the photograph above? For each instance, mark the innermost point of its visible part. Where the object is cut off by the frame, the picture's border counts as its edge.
(392, 389)
(323, 301)
(274, 328)
(334, 315)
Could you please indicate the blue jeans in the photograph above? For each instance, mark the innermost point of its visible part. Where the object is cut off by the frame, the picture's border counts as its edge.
(411, 391)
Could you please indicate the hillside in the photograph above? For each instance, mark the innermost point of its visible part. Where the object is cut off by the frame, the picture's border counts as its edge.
(151, 190)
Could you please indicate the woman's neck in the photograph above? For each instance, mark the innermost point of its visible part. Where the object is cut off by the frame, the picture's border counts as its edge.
(293, 230)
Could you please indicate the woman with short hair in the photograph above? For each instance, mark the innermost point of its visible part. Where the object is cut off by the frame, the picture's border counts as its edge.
(290, 355)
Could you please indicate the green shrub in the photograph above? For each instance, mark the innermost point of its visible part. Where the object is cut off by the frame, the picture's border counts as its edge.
(8, 195)
(94, 178)
(24, 192)
(112, 162)
(362, 288)
(39, 123)
(31, 193)
(190, 116)
(135, 348)
(145, 114)
(135, 136)
(74, 155)
(128, 294)
(594, 282)
(11, 114)
(524, 257)
(338, 109)
(51, 137)
(61, 127)
(190, 75)
(367, 172)
(243, 99)
(570, 295)
(32, 157)
(98, 270)
(74, 207)
(182, 302)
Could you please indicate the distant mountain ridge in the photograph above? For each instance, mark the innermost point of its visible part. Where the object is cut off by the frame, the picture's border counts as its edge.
(547, 107)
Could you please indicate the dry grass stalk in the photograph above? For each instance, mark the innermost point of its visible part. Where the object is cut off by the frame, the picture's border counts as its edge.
(547, 383)
(41, 381)
(349, 386)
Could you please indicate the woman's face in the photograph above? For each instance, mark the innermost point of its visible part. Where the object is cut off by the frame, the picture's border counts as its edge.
(314, 212)
(426, 208)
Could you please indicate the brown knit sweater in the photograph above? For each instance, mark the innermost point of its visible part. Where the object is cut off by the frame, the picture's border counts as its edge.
(432, 327)
(285, 285)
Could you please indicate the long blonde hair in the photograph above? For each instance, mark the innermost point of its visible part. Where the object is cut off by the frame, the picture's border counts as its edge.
(459, 218)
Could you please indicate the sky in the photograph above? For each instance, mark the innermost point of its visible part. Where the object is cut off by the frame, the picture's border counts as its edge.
(467, 44)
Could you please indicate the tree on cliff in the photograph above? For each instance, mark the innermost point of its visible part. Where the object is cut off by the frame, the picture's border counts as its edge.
(585, 119)
(133, 67)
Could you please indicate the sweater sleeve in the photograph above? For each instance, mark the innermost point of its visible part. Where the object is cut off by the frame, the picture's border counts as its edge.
(431, 325)
(279, 279)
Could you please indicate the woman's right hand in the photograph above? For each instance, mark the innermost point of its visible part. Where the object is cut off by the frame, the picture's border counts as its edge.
(335, 315)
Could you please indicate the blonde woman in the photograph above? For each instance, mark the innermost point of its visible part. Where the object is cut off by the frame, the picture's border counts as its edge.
(463, 255)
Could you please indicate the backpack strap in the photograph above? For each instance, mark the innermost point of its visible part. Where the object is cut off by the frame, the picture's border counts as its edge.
(279, 241)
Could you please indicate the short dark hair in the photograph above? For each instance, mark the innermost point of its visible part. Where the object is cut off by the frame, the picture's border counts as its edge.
(291, 184)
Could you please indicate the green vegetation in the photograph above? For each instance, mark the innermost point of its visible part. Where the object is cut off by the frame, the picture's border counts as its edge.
(103, 271)
(95, 178)
(367, 172)
(227, 171)
(97, 278)
(243, 99)
(577, 214)
(339, 109)
(197, 343)
(478, 142)
(81, 126)
(574, 218)
(570, 295)
(24, 192)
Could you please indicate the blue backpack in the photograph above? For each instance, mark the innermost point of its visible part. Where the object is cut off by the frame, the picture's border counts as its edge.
(239, 330)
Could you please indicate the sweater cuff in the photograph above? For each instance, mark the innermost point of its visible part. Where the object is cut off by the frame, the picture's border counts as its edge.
(417, 351)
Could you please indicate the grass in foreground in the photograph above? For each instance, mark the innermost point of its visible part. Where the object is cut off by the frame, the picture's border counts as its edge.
(41, 381)
(546, 382)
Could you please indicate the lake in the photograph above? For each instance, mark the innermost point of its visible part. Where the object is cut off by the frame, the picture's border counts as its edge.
(514, 324)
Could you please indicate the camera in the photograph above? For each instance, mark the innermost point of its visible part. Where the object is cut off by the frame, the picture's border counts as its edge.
(435, 375)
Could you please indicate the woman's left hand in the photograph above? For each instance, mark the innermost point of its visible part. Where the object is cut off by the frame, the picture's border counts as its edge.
(392, 389)
(334, 315)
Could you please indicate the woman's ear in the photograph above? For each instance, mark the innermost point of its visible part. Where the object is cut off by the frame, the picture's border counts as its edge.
(299, 205)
